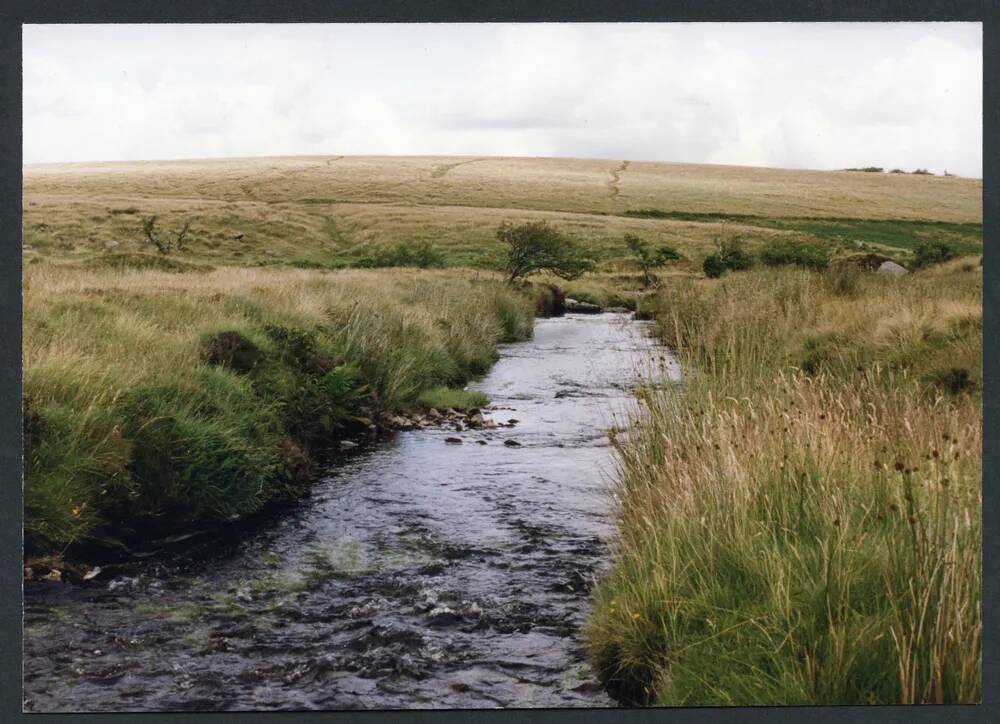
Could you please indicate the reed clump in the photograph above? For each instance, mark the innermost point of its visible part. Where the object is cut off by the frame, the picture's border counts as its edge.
(797, 532)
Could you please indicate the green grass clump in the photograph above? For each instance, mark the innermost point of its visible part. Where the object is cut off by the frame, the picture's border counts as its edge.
(803, 536)
(441, 398)
(417, 254)
(158, 401)
(790, 252)
(138, 261)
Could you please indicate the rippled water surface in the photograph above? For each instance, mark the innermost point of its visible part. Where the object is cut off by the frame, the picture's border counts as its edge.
(418, 573)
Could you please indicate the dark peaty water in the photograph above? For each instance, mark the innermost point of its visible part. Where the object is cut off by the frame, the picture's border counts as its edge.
(419, 573)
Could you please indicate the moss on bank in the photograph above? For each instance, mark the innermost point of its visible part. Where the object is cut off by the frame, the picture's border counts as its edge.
(156, 401)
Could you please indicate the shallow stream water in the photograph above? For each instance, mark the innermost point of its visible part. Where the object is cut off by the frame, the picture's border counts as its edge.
(417, 574)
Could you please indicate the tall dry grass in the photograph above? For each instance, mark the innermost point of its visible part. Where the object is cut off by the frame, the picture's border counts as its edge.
(803, 537)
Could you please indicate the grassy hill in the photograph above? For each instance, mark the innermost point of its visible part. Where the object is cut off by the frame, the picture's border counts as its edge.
(333, 210)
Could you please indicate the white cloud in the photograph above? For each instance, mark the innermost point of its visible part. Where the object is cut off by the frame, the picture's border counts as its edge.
(815, 96)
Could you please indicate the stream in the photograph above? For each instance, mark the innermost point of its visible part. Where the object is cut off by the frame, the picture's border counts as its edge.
(418, 573)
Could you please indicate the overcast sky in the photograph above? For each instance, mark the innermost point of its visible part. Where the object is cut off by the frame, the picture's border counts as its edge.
(792, 95)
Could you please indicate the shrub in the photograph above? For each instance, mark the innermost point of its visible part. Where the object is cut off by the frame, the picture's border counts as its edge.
(537, 247)
(729, 257)
(418, 254)
(929, 253)
(713, 266)
(788, 252)
(649, 258)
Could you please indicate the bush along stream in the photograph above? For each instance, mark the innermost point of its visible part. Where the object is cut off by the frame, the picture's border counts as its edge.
(449, 565)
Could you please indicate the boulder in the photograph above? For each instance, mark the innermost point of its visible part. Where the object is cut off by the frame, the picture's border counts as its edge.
(453, 440)
(578, 307)
(347, 445)
(401, 423)
(892, 269)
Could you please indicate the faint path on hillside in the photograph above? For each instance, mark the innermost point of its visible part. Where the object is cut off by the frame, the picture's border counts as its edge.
(616, 177)
(252, 193)
(440, 171)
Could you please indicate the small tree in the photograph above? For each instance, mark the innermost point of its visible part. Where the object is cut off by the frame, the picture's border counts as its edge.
(535, 247)
(162, 244)
(648, 258)
(729, 257)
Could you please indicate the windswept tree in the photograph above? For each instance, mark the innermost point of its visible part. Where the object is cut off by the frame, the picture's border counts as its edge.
(162, 242)
(649, 258)
(538, 247)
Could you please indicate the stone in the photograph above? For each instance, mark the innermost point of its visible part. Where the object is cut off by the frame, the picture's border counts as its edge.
(348, 444)
(574, 305)
(453, 440)
(892, 269)
(400, 422)
(512, 443)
